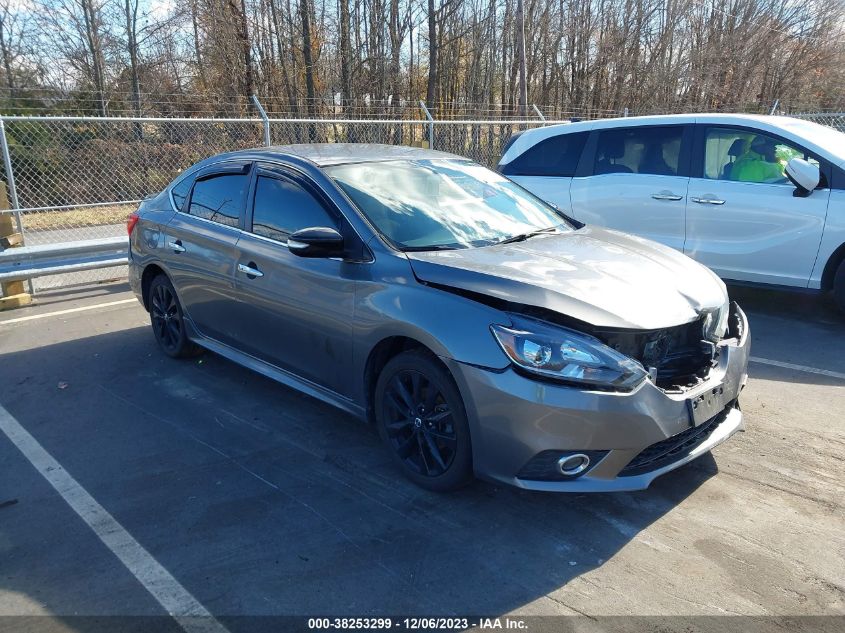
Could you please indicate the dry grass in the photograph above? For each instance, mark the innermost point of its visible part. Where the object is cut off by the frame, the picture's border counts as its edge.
(76, 218)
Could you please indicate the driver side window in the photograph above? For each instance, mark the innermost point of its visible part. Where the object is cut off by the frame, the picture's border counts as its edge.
(282, 207)
(739, 155)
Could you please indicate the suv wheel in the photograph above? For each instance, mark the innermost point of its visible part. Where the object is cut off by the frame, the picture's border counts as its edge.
(421, 418)
(167, 320)
(839, 287)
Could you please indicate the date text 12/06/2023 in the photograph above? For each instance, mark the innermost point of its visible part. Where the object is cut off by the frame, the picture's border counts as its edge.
(418, 623)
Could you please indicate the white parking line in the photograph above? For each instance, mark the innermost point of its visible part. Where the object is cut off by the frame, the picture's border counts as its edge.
(44, 315)
(176, 600)
(804, 368)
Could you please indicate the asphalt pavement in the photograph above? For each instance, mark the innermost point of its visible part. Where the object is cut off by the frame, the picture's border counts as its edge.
(256, 500)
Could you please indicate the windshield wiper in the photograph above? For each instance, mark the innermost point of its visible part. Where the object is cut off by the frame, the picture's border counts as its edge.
(524, 236)
(431, 247)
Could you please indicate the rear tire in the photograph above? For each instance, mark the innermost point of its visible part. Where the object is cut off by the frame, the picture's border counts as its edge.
(839, 287)
(167, 320)
(421, 419)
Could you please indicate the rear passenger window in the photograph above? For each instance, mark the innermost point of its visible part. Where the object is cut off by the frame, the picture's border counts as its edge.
(555, 156)
(180, 192)
(639, 150)
(219, 198)
(283, 207)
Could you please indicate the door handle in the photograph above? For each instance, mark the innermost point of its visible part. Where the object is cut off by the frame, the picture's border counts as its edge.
(250, 270)
(176, 246)
(666, 195)
(707, 200)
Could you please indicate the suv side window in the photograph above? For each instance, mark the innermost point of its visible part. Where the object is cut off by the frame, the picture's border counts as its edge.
(639, 150)
(282, 206)
(741, 155)
(219, 198)
(554, 156)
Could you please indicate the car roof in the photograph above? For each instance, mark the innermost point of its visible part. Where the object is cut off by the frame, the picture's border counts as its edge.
(654, 119)
(326, 154)
(529, 138)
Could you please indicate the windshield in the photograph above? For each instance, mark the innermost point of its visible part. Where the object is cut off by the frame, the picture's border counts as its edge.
(431, 204)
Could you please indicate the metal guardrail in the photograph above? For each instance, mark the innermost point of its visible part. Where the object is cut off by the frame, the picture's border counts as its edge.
(27, 262)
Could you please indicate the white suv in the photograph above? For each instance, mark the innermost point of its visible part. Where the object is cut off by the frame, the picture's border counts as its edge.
(711, 185)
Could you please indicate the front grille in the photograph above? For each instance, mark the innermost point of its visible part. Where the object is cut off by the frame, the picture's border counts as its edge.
(674, 448)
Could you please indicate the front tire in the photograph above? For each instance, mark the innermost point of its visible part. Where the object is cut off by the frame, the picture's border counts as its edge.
(421, 418)
(839, 287)
(168, 320)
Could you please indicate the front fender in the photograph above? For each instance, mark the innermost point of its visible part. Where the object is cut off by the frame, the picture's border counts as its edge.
(451, 326)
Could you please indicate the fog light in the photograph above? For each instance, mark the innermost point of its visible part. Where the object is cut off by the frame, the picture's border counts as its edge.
(573, 464)
(560, 464)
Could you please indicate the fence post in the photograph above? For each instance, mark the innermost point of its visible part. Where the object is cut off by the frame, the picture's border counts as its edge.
(539, 114)
(430, 124)
(14, 294)
(10, 178)
(264, 118)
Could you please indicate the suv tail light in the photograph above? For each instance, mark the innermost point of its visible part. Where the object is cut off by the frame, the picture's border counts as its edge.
(131, 221)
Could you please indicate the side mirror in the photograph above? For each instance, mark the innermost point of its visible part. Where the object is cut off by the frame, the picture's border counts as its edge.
(316, 241)
(804, 175)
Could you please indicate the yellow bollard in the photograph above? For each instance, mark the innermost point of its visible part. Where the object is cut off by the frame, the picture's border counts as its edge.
(14, 292)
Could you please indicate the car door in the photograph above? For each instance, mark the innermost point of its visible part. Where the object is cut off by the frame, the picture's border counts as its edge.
(635, 180)
(546, 168)
(199, 246)
(743, 219)
(295, 312)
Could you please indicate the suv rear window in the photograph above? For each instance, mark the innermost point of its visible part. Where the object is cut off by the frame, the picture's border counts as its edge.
(639, 150)
(554, 156)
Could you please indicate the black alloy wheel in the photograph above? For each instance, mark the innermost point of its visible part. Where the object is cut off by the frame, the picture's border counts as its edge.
(421, 418)
(167, 320)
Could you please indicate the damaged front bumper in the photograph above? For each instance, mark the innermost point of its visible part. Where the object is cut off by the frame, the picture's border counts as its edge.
(522, 427)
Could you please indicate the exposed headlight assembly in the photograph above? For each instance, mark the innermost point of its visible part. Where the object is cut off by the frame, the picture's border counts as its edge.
(716, 323)
(566, 355)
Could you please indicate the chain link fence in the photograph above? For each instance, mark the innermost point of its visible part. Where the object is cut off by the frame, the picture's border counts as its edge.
(836, 120)
(77, 178)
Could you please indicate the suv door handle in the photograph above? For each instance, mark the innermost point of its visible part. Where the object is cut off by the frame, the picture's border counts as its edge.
(176, 246)
(250, 270)
(707, 200)
(666, 195)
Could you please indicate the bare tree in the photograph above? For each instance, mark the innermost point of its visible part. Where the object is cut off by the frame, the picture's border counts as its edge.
(14, 30)
(584, 56)
(520, 54)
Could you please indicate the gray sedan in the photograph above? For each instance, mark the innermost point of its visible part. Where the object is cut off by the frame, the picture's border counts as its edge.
(481, 330)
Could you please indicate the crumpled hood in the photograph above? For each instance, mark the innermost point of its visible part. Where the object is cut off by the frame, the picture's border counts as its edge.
(599, 276)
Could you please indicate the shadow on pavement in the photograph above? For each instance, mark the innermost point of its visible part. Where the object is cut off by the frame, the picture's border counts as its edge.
(810, 306)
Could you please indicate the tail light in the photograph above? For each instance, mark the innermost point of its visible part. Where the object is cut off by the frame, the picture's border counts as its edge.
(131, 221)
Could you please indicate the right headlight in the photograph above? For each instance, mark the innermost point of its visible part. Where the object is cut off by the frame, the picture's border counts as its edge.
(716, 322)
(566, 355)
